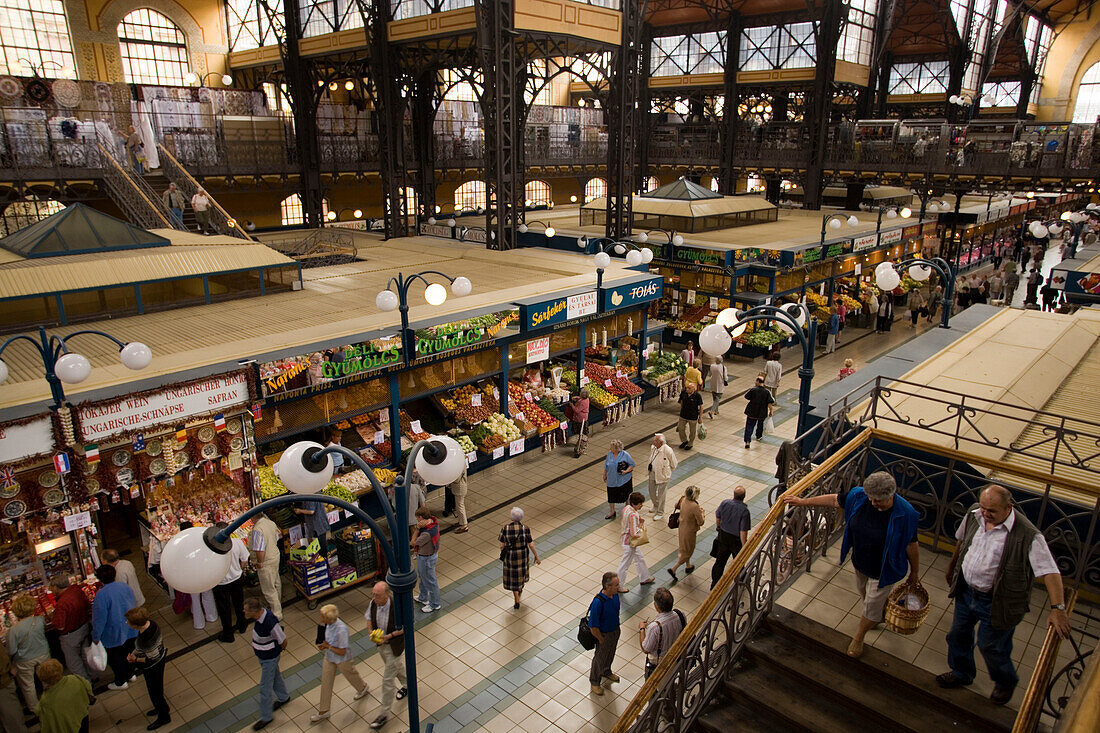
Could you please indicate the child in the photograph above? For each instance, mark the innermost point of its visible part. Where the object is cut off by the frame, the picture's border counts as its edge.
(846, 371)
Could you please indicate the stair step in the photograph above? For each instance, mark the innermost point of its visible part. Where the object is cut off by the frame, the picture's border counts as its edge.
(800, 709)
(912, 692)
(730, 716)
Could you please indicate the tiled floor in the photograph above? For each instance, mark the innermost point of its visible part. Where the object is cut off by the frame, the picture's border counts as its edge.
(482, 665)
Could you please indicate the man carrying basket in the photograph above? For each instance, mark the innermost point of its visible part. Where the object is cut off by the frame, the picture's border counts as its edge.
(880, 530)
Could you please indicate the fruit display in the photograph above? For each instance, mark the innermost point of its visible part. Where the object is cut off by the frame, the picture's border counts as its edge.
(551, 409)
(338, 491)
(492, 441)
(471, 415)
(504, 427)
(600, 397)
(385, 450)
(466, 443)
(458, 397)
(625, 387)
(765, 338)
(851, 303)
(666, 365)
(385, 476)
(270, 485)
(479, 433)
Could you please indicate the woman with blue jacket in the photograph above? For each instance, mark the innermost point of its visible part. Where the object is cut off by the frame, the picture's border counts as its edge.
(618, 476)
(880, 530)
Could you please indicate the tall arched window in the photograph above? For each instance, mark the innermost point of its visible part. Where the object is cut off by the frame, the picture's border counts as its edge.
(35, 31)
(537, 193)
(470, 196)
(154, 49)
(292, 213)
(1088, 96)
(594, 189)
(411, 201)
(27, 211)
(651, 183)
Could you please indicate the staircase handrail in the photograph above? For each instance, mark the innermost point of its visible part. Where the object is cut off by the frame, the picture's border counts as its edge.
(177, 173)
(127, 183)
(698, 661)
(1031, 706)
(1082, 711)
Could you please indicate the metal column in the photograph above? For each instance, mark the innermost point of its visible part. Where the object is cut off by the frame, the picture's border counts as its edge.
(389, 106)
(622, 119)
(727, 170)
(827, 31)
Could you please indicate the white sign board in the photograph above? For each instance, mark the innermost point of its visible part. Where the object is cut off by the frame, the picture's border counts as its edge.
(581, 304)
(29, 439)
(538, 349)
(891, 237)
(515, 447)
(865, 242)
(74, 522)
(169, 407)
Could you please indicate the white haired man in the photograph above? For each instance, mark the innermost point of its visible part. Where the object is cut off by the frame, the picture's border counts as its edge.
(381, 616)
(662, 462)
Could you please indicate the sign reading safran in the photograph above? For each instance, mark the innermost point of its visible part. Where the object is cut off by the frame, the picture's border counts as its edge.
(627, 295)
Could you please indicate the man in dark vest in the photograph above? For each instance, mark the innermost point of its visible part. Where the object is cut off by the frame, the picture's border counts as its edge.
(268, 641)
(998, 555)
(382, 625)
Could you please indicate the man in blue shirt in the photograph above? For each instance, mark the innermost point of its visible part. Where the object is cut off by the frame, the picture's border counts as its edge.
(603, 621)
(109, 625)
(834, 329)
(732, 521)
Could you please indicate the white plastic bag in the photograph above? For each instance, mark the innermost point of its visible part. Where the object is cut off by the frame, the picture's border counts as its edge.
(769, 426)
(96, 657)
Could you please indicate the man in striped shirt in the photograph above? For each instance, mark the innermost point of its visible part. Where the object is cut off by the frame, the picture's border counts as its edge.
(268, 641)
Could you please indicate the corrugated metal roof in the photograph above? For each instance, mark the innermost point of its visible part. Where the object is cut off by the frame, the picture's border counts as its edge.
(78, 272)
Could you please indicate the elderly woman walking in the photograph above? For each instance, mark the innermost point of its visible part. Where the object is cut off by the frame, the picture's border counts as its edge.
(662, 462)
(337, 659)
(691, 521)
(515, 542)
(633, 531)
(618, 476)
(27, 646)
(880, 530)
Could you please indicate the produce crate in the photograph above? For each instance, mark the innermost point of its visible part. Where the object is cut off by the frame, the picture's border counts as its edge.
(362, 556)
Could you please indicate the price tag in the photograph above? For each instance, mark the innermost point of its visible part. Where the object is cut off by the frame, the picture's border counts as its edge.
(515, 447)
(379, 437)
(618, 374)
(737, 345)
(415, 426)
(475, 400)
(295, 534)
(691, 296)
(584, 380)
(677, 333)
(564, 426)
(527, 396)
(496, 393)
(519, 416)
(333, 516)
(498, 452)
(675, 294)
(383, 417)
(74, 522)
(607, 382)
(714, 304)
(471, 457)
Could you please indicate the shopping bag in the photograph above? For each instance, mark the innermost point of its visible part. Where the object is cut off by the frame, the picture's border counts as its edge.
(702, 432)
(96, 657)
(769, 425)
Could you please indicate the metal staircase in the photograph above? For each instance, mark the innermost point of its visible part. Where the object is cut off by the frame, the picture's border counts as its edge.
(220, 220)
(134, 196)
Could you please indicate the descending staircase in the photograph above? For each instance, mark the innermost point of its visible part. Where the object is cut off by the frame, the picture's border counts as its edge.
(797, 679)
(158, 183)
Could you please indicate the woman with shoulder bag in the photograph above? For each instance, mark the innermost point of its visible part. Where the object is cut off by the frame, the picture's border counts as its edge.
(633, 536)
(690, 521)
(618, 476)
(515, 541)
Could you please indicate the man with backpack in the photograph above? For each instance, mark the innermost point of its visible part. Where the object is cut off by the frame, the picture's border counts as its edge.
(603, 622)
(657, 636)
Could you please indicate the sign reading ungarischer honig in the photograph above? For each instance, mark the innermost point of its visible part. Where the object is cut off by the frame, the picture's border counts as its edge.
(167, 407)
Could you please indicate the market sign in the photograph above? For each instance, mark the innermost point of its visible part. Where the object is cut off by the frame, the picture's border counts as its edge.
(321, 369)
(465, 334)
(558, 310)
(472, 234)
(436, 230)
(19, 441)
(891, 237)
(694, 255)
(866, 242)
(167, 407)
(624, 296)
(911, 232)
(538, 350)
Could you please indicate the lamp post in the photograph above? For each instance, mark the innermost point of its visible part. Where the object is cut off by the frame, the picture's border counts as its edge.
(730, 323)
(196, 559)
(635, 255)
(835, 221)
(671, 237)
(63, 366)
(1076, 222)
(891, 212)
(550, 231)
(192, 78)
(39, 70)
(887, 278)
(434, 293)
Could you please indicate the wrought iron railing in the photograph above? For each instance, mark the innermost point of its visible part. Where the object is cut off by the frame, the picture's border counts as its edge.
(1073, 694)
(188, 186)
(140, 204)
(315, 247)
(1037, 697)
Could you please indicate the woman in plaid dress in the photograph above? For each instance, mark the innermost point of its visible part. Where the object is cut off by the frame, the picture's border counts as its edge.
(515, 539)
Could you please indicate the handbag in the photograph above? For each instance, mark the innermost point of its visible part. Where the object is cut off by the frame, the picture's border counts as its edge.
(503, 553)
(674, 520)
(623, 465)
(716, 548)
(642, 539)
(584, 634)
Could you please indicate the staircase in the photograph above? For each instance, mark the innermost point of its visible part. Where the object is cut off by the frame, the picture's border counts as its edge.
(133, 195)
(158, 182)
(796, 678)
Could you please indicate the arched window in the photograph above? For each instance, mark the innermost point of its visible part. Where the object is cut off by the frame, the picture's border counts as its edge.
(651, 183)
(35, 31)
(154, 49)
(292, 213)
(1088, 96)
(537, 193)
(470, 196)
(411, 201)
(714, 185)
(23, 213)
(594, 189)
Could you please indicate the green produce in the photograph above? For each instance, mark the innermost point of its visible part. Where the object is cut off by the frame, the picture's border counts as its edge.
(337, 491)
(466, 443)
(270, 485)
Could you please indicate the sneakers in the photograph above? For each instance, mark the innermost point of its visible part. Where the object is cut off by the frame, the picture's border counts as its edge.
(428, 608)
(113, 686)
(318, 717)
(362, 693)
(658, 516)
(378, 722)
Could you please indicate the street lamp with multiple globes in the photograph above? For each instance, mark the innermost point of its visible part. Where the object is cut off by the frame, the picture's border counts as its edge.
(197, 559)
(387, 300)
(920, 268)
(671, 236)
(602, 246)
(892, 212)
(730, 323)
(1076, 221)
(550, 231)
(64, 366)
(835, 221)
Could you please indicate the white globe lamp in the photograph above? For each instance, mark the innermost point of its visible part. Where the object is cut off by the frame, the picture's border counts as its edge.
(633, 258)
(441, 461)
(887, 281)
(641, 237)
(135, 355)
(727, 317)
(834, 223)
(462, 287)
(602, 260)
(677, 240)
(797, 312)
(853, 221)
(550, 231)
(715, 340)
(72, 368)
(298, 470)
(190, 565)
(386, 301)
(522, 228)
(435, 294)
(3, 372)
(920, 273)
(647, 255)
(620, 248)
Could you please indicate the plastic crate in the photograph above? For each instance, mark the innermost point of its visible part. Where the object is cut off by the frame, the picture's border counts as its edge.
(361, 555)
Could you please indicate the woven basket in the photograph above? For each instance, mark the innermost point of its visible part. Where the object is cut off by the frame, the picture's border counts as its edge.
(900, 619)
